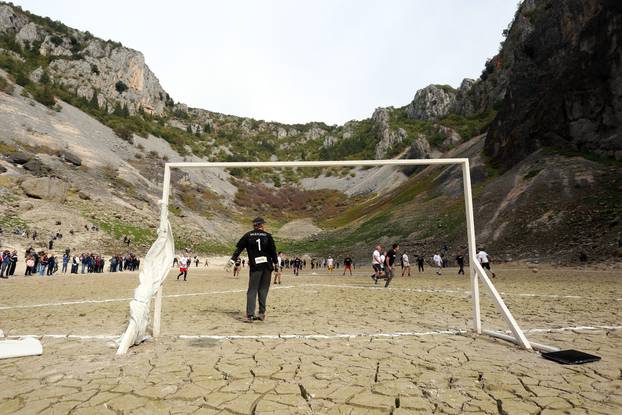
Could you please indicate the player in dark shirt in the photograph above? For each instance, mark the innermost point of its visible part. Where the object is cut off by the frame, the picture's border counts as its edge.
(389, 260)
(347, 265)
(262, 260)
(297, 266)
(460, 261)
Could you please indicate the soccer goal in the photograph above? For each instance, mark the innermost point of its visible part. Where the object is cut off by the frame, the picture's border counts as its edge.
(158, 260)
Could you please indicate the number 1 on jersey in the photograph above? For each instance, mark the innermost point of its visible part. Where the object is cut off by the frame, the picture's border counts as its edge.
(259, 244)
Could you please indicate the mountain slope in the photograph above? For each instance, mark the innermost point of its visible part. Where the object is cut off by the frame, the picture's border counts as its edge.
(87, 128)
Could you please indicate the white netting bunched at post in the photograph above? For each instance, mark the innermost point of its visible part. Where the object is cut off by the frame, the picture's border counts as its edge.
(156, 266)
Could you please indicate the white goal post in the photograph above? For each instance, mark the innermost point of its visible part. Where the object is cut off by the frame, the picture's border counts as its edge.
(158, 260)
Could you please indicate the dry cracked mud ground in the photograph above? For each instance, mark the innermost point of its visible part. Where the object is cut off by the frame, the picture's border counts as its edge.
(331, 344)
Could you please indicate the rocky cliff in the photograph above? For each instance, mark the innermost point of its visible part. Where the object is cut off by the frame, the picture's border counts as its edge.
(564, 89)
(88, 66)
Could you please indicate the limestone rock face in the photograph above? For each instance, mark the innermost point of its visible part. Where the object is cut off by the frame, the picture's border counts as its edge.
(28, 35)
(431, 102)
(119, 74)
(47, 188)
(85, 64)
(387, 138)
(462, 104)
(10, 21)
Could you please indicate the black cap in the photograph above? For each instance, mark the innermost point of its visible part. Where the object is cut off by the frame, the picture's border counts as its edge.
(258, 221)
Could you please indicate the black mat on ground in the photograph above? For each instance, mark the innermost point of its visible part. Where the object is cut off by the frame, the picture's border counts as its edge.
(570, 357)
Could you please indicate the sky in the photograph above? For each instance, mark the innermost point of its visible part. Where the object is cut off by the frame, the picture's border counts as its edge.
(297, 61)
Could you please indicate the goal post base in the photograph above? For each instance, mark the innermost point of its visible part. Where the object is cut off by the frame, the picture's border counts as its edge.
(507, 337)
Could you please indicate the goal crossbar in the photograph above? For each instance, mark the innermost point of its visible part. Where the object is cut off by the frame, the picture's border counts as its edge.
(477, 272)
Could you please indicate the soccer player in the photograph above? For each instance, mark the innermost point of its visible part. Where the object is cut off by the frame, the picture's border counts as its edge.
(420, 263)
(330, 263)
(347, 265)
(279, 268)
(262, 259)
(438, 262)
(389, 261)
(405, 264)
(460, 261)
(237, 267)
(484, 259)
(297, 266)
(376, 263)
(183, 266)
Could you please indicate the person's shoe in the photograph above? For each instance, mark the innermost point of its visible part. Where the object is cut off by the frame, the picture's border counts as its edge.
(260, 317)
(184, 279)
(249, 319)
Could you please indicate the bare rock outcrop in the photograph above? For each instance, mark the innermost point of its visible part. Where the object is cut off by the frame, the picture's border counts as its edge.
(387, 137)
(47, 188)
(433, 101)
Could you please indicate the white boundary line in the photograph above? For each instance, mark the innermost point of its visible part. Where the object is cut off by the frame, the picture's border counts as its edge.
(417, 290)
(314, 336)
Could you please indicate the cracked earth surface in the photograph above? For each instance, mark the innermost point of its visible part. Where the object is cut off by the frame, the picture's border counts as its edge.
(424, 371)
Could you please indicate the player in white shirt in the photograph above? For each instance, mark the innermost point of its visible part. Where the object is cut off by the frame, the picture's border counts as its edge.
(405, 264)
(376, 262)
(329, 263)
(279, 268)
(484, 259)
(438, 262)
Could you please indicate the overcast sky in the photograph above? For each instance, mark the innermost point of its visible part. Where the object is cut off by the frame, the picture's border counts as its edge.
(297, 61)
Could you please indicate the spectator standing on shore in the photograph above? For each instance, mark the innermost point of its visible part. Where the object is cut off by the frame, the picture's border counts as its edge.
(4, 264)
(65, 262)
(12, 263)
(30, 266)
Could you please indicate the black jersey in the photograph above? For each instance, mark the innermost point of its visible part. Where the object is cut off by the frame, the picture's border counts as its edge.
(260, 248)
(347, 261)
(460, 260)
(390, 257)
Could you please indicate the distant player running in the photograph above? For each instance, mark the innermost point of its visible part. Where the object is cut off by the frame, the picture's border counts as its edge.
(237, 267)
(183, 267)
(460, 262)
(347, 265)
(279, 268)
(438, 263)
(376, 263)
(389, 261)
(484, 259)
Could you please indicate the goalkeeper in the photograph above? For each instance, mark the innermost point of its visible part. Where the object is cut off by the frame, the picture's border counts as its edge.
(262, 259)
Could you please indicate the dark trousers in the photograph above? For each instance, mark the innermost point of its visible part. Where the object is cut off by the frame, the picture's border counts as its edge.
(258, 286)
(389, 277)
(420, 266)
(461, 270)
